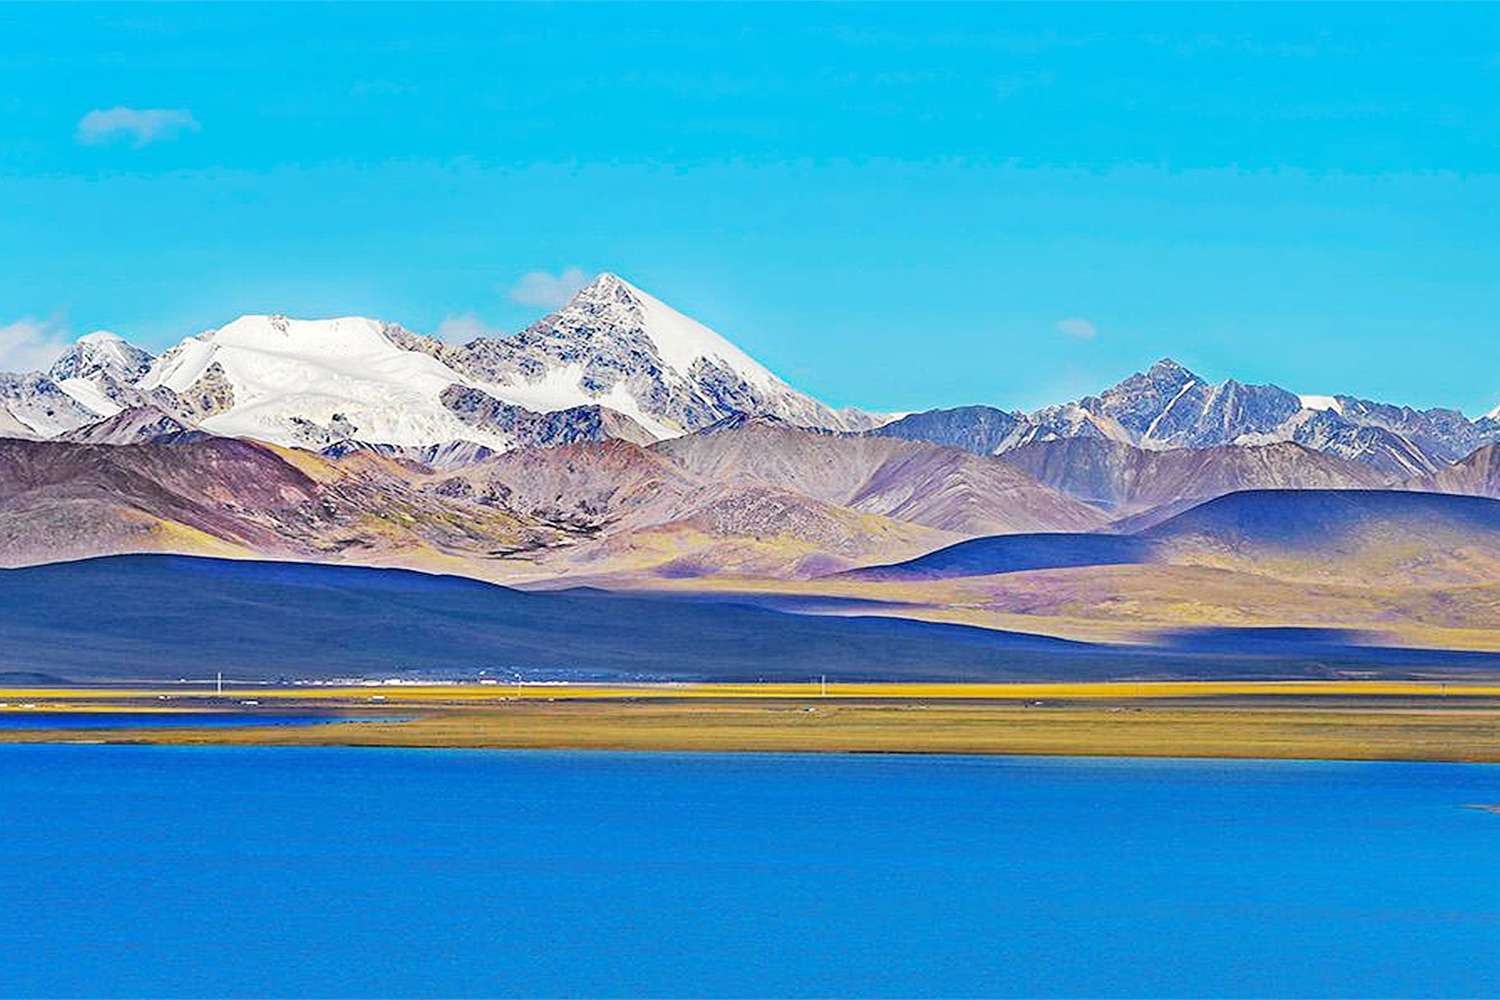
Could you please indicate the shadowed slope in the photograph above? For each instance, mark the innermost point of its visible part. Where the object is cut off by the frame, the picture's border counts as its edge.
(1385, 536)
(1013, 554)
(1389, 537)
(171, 617)
(177, 616)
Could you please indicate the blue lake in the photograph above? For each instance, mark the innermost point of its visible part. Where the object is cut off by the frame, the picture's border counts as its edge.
(43, 719)
(349, 872)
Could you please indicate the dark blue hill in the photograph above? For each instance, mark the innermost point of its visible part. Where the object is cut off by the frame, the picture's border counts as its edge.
(1013, 554)
(153, 616)
(1318, 523)
(1312, 520)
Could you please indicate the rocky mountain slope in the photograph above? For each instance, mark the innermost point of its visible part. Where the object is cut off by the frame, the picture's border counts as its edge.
(62, 500)
(755, 495)
(1476, 475)
(751, 496)
(983, 430)
(943, 488)
(1169, 408)
(1125, 479)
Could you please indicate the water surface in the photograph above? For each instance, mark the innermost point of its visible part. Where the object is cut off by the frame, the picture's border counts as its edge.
(355, 872)
(44, 719)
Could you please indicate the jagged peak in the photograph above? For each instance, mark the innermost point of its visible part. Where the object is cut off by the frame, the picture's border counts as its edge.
(680, 341)
(100, 351)
(1170, 368)
(606, 286)
(608, 279)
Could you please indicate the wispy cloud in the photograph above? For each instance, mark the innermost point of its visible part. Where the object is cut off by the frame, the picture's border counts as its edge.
(138, 126)
(1077, 327)
(549, 291)
(465, 327)
(29, 345)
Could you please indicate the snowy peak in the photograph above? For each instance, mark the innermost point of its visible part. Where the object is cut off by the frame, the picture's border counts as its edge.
(617, 346)
(680, 341)
(313, 383)
(1169, 407)
(342, 344)
(101, 353)
(615, 361)
(1314, 402)
(1168, 371)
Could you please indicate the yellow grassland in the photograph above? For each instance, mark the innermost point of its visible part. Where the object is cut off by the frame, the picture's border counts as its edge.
(901, 691)
(1303, 719)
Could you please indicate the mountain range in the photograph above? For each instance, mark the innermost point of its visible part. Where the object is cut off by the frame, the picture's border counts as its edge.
(614, 363)
(1169, 408)
(618, 442)
(618, 363)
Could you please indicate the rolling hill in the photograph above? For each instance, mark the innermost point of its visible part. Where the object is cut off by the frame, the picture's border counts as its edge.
(1390, 536)
(168, 618)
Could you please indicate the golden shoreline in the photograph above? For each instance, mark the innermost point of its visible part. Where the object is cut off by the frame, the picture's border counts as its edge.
(1332, 720)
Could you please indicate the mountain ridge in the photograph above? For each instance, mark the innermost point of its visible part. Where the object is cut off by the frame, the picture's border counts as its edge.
(616, 361)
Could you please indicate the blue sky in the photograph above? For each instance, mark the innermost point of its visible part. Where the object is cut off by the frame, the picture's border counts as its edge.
(891, 206)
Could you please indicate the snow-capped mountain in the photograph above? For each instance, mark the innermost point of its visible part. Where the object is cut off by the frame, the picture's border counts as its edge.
(618, 347)
(312, 383)
(615, 362)
(1169, 407)
(36, 406)
(618, 363)
(99, 369)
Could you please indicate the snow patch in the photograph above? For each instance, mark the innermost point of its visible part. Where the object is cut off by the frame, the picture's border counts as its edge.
(681, 340)
(1321, 403)
(88, 395)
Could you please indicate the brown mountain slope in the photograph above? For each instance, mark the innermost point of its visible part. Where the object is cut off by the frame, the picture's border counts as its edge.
(933, 485)
(1128, 480)
(1477, 475)
(590, 486)
(745, 531)
(63, 500)
(751, 496)
(135, 425)
(643, 512)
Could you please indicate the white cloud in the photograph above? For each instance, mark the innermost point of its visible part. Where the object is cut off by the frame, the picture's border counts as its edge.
(549, 291)
(29, 345)
(465, 327)
(1077, 328)
(139, 125)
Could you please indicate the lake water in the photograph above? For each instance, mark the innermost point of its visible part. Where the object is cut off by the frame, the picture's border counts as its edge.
(43, 719)
(350, 872)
